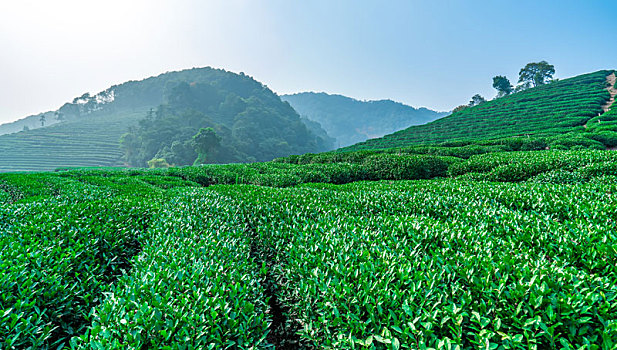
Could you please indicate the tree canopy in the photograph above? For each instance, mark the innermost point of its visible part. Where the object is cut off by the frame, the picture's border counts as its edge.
(205, 141)
(228, 120)
(476, 100)
(536, 73)
(502, 85)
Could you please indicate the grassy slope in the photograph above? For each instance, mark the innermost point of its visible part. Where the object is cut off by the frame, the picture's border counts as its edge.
(555, 108)
(92, 140)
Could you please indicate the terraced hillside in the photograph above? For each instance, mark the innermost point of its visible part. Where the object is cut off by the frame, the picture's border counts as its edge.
(556, 108)
(92, 141)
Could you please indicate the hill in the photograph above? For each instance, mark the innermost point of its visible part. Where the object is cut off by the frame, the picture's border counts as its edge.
(87, 131)
(29, 123)
(350, 121)
(551, 110)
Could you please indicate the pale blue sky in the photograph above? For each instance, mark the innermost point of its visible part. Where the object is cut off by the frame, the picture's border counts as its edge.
(424, 53)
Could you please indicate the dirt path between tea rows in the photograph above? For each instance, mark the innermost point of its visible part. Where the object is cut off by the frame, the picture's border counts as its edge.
(611, 90)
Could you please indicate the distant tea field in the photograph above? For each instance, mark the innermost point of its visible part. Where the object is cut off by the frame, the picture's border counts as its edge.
(90, 141)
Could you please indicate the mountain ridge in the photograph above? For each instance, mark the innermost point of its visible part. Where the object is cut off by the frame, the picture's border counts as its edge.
(350, 120)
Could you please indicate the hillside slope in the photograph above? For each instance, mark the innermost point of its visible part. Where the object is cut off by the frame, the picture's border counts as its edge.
(92, 125)
(559, 107)
(88, 142)
(350, 121)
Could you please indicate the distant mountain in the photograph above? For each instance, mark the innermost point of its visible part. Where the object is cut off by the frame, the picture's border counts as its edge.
(350, 121)
(577, 106)
(155, 115)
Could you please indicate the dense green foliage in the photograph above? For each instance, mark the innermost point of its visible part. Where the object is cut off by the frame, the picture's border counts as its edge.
(547, 110)
(61, 248)
(502, 85)
(378, 167)
(515, 250)
(86, 131)
(521, 166)
(407, 266)
(350, 121)
(250, 121)
(194, 283)
(138, 258)
(536, 73)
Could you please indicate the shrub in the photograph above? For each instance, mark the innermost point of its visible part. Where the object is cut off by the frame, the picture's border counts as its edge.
(158, 163)
(599, 169)
(607, 138)
(534, 144)
(407, 167)
(559, 177)
(569, 141)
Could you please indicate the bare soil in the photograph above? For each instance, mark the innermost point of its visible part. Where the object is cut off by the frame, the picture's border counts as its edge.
(611, 79)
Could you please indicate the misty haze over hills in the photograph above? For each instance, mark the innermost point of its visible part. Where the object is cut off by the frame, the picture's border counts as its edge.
(157, 118)
(350, 121)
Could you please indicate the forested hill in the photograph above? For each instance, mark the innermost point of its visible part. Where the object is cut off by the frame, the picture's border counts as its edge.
(350, 121)
(248, 120)
(569, 106)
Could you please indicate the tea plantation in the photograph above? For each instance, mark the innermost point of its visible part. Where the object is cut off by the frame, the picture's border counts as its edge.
(564, 106)
(501, 250)
(90, 141)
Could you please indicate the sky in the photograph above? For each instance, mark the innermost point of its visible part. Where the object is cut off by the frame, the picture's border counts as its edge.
(431, 53)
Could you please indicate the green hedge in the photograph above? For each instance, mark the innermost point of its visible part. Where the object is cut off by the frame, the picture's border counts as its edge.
(406, 167)
(194, 286)
(59, 256)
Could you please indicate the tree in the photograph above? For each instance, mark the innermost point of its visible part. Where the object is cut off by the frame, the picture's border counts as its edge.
(42, 120)
(131, 144)
(502, 85)
(158, 163)
(204, 142)
(536, 73)
(476, 100)
(82, 99)
(521, 87)
(460, 108)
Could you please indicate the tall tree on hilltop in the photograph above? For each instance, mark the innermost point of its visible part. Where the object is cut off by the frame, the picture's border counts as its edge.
(536, 73)
(502, 85)
(42, 120)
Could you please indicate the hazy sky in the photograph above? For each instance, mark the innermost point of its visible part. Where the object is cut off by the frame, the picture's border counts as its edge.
(424, 53)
